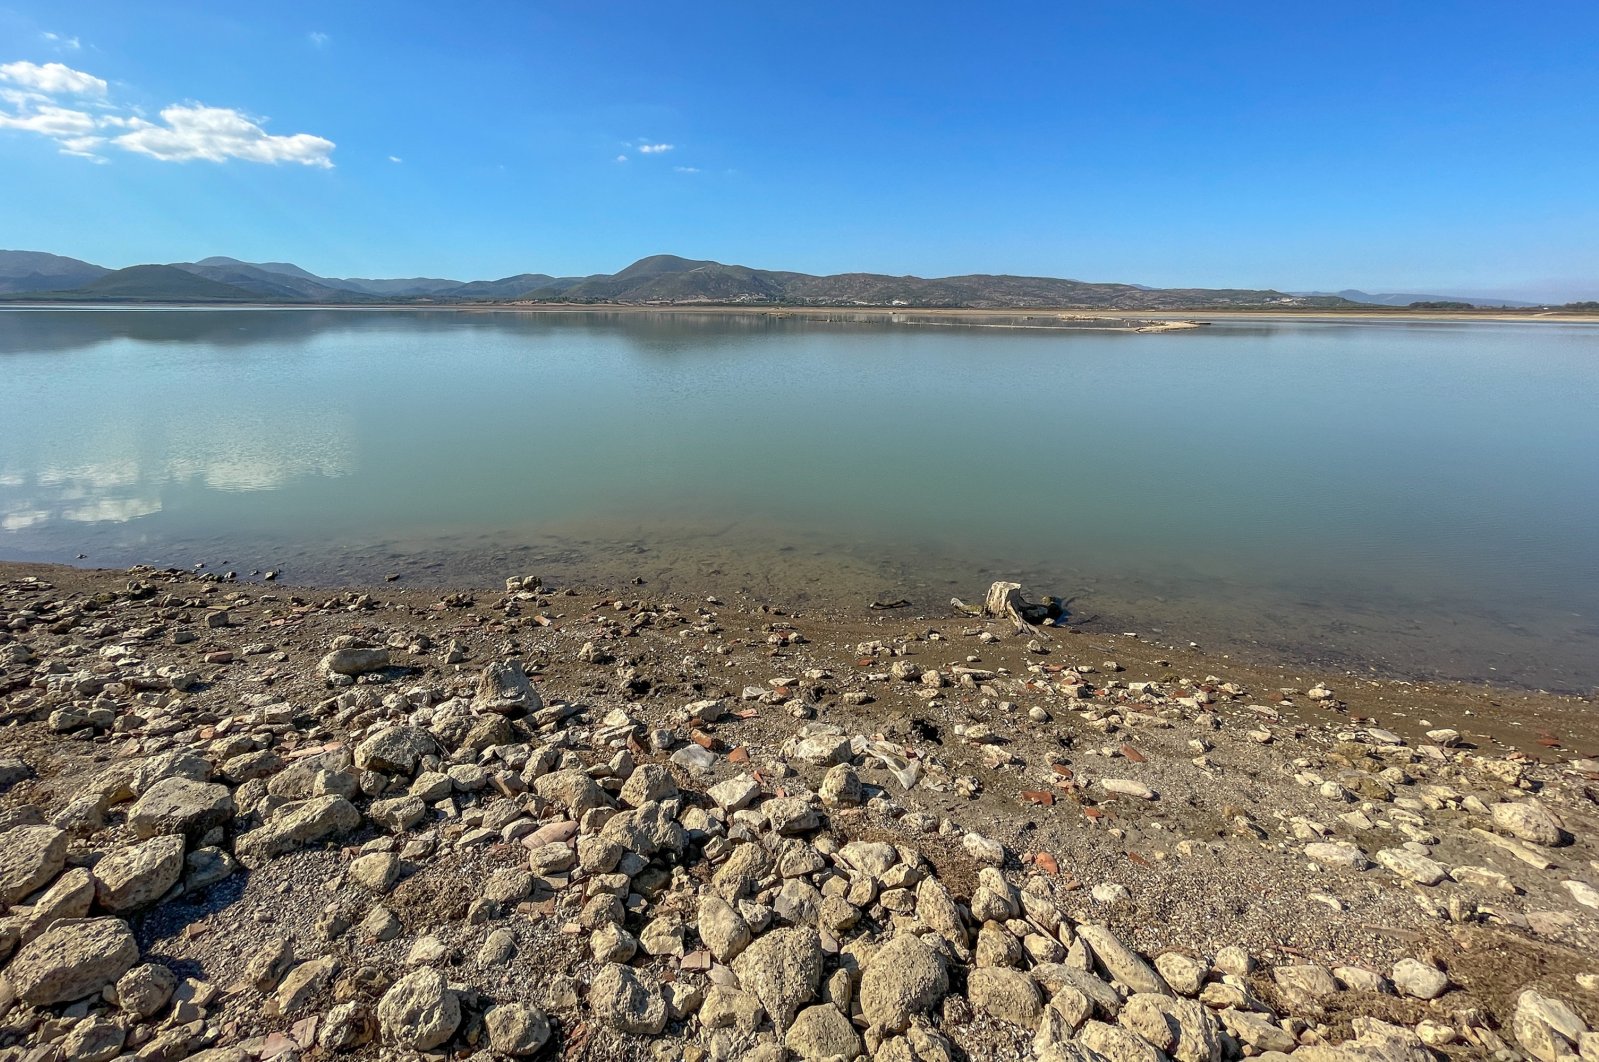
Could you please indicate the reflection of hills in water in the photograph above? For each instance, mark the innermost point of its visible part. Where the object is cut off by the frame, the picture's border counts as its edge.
(73, 482)
(677, 332)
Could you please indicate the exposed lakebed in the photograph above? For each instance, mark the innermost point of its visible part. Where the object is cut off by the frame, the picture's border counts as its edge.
(1418, 497)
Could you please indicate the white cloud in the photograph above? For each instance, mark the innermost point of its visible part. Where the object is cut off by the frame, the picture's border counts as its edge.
(395, 158)
(52, 79)
(621, 158)
(216, 134)
(48, 100)
(319, 39)
(70, 44)
(49, 120)
(655, 149)
(685, 169)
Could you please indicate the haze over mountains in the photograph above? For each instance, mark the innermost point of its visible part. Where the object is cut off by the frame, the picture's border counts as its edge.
(659, 279)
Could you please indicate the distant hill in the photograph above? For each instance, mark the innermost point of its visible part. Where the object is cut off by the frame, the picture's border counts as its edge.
(661, 279)
(1399, 299)
(39, 271)
(162, 282)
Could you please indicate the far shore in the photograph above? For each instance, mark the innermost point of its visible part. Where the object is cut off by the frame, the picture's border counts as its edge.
(1011, 317)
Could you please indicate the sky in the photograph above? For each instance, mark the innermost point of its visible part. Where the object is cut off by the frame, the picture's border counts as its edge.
(1402, 146)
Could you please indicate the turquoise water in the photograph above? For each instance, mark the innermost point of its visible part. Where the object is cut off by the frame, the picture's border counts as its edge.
(1417, 497)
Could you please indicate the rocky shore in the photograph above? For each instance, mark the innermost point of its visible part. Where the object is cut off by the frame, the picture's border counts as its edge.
(263, 822)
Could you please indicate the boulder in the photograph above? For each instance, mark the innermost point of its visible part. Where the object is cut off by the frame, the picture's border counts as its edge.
(181, 806)
(504, 689)
(72, 959)
(628, 1001)
(823, 1034)
(419, 1011)
(782, 969)
(295, 826)
(30, 857)
(137, 877)
(516, 1029)
(905, 978)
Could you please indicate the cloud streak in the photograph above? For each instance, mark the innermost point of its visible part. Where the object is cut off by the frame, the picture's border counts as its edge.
(655, 149)
(73, 109)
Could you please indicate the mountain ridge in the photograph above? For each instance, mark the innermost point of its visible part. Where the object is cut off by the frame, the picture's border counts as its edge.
(660, 279)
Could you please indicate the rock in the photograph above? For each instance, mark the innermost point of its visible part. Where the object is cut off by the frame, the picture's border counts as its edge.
(984, 849)
(572, 789)
(819, 750)
(823, 1034)
(1336, 854)
(376, 871)
(876, 858)
(396, 750)
(1183, 973)
(269, 963)
(72, 959)
(791, 815)
(93, 1039)
(1008, 995)
(145, 989)
(841, 787)
(303, 982)
(419, 1011)
(137, 877)
(295, 826)
(1115, 1044)
(628, 1001)
(649, 783)
(1412, 866)
(70, 897)
(1417, 979)
(1304, 984)
(782, 969)
(1546, 1028)
(722, 928)
(398, 814)
(30, 857)
(181, 806)
(343, 1027)
(1128, 787)
(504, 689)
(734, 793)
(905, 978)
(1583, 893)
(1530, 821)
(516, 1029)
(1181, 1028)
(1121, 962)
(354, 662)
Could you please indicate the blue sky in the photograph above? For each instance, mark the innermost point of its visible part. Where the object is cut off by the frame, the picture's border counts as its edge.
(1395, 146)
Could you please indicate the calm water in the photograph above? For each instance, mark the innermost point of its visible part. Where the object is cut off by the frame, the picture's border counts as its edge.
(1420, 498)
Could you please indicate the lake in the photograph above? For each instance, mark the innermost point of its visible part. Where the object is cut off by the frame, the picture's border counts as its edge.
(1414, 498)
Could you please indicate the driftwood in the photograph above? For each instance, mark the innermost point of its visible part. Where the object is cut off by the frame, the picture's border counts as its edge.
(1005, 601)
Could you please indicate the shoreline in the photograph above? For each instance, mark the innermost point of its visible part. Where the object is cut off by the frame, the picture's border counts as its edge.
(1085, 830)
(973, 316)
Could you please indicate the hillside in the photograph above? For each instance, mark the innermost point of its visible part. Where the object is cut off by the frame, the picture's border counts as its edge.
(39, 271)
(160, 283)
(660, 279)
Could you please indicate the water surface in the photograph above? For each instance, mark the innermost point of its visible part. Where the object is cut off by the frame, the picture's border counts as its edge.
(1419, 498)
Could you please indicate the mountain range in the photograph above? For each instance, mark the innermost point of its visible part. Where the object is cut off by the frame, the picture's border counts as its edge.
(659, 279)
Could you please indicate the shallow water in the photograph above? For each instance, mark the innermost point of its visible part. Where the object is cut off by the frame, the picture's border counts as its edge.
(1416, 497)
